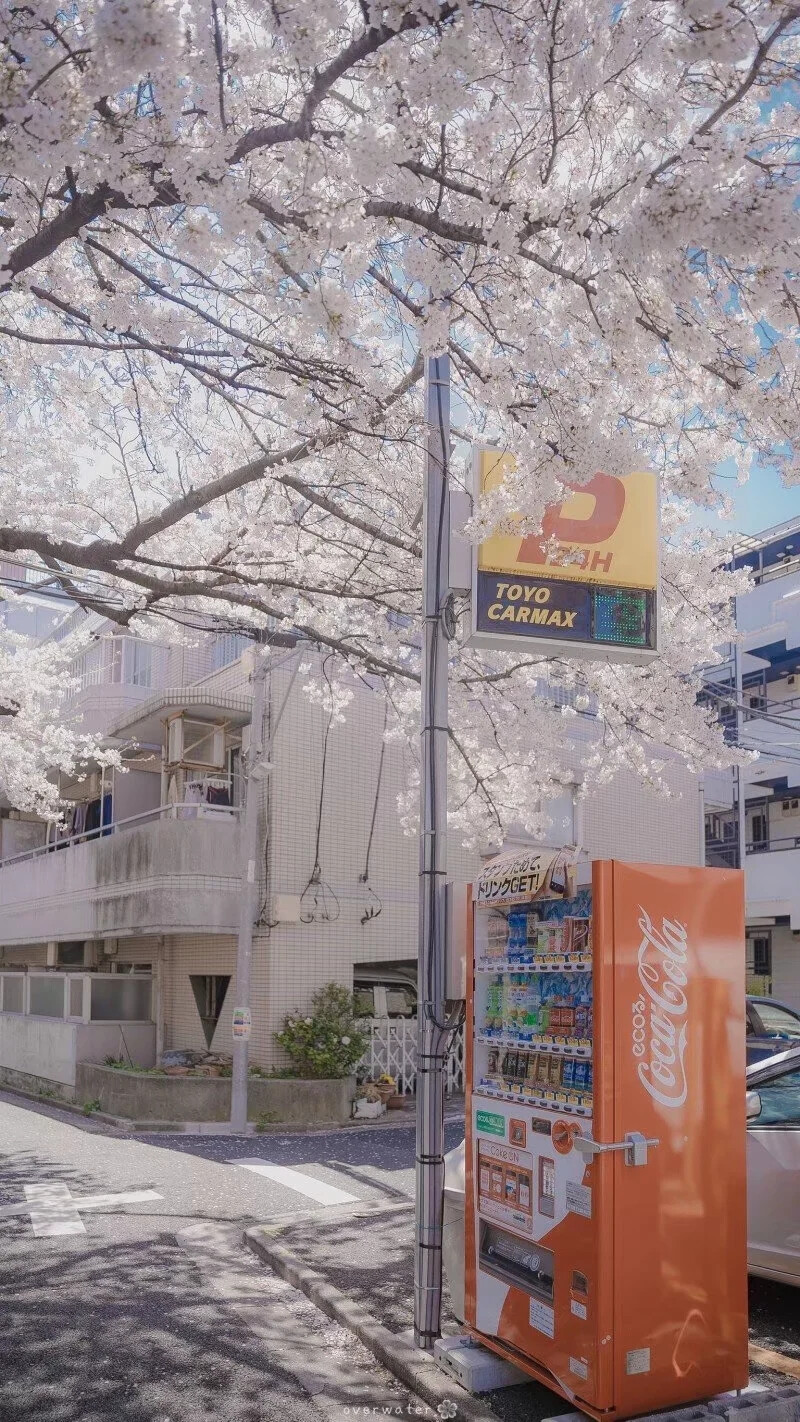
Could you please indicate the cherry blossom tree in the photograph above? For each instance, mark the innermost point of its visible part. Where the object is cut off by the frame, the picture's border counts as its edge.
(231, 232)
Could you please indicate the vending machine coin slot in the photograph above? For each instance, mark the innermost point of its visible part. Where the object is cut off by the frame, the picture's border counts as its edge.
(515, 1262)
(579, 1295)
(547, 1186)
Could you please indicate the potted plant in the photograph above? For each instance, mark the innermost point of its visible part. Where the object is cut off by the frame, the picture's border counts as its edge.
(386, 1087)
(368, 1104)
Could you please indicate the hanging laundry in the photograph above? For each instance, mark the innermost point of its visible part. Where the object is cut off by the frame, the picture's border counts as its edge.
(218, 795)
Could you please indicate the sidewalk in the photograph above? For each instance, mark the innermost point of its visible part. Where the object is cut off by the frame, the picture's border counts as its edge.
(357, 1266)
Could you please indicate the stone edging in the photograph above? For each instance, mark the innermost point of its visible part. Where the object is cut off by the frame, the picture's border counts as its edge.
(414, 1368)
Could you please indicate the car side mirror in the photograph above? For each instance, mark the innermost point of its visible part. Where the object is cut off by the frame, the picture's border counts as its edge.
(753, 1105)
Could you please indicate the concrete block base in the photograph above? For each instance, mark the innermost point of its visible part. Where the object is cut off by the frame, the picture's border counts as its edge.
(476, 1368)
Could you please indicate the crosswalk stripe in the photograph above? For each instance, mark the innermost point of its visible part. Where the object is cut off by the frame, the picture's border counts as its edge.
(297, 1180)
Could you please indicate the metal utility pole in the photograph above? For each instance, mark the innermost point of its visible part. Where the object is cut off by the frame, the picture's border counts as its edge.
(741, 789)
(432, 1031)
(248, 897)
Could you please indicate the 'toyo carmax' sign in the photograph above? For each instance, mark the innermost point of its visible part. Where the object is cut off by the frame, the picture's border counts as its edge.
(586, 585)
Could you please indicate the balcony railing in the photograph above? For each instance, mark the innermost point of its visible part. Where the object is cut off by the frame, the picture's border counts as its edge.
(770, 846)
(183, 810)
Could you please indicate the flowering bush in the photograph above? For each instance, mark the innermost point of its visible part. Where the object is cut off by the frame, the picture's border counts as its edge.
(327, 1043)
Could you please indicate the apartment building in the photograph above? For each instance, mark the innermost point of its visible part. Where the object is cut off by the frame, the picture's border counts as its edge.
(754, 819)
(128, 913)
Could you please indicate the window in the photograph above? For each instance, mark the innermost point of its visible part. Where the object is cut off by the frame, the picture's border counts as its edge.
(209, 991)
(227, 648)
(762, 956)
(13, 994)
(47, 996)
(780, 1101)
(779, 1022)
(140, 663)
(235, 775)
(120, 999)
(70, 955)
(759, 832)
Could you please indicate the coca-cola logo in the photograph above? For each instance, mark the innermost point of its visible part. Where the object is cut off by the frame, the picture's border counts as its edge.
(660, 1013)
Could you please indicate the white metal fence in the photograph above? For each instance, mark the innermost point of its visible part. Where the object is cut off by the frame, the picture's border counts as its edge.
(392, 1049)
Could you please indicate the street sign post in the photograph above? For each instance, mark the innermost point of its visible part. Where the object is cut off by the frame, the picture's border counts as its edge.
(587, 585)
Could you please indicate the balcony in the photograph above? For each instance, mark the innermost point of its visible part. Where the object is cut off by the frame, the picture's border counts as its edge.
(119, 672)
(174, 869)
(772, 879)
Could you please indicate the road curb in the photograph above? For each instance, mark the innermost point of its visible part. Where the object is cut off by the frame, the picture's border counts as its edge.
(415, 1369)
(213, 1128)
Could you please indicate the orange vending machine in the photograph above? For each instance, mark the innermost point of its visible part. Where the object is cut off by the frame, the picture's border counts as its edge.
(605, 1220)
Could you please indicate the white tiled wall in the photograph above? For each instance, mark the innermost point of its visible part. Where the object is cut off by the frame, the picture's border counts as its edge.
(786, 966)
(292, 960)
(627, 820)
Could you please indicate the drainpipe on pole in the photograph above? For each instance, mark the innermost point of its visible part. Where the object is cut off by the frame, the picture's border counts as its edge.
(432, 1029)
(248, 895)
(741, 812)
(158, 986)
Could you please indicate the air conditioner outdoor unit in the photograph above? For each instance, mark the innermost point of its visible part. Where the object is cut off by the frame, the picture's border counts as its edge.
(195, 743)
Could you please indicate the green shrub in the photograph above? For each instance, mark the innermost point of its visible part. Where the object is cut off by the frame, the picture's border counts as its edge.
(89, 1107)
(326, 1042)
(264, 1120)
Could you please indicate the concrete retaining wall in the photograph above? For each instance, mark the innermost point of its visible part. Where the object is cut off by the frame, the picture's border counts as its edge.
(185, 1098)
(48, 1050)
(36, 1085)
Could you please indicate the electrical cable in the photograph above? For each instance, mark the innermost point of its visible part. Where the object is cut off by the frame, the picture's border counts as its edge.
(323, 906)
(374, 904)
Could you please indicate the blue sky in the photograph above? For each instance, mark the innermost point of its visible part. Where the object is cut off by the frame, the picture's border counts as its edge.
(758, 504)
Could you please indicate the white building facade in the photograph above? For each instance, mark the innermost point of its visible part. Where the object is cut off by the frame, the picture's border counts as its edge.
(143, 881)
(758, 694)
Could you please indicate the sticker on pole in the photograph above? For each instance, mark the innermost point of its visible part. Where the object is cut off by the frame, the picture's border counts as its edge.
(241, 1024)
(586, 585)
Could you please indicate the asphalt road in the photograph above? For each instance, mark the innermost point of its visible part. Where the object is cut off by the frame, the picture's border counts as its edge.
(151, 1310)
(155, 1312)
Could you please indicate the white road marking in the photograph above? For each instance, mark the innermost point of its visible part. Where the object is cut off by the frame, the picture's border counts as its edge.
(54, 1210)
(296, 1180)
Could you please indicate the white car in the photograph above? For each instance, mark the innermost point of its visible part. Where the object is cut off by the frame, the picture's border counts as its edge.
(773, 1180)
(773, 1168)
